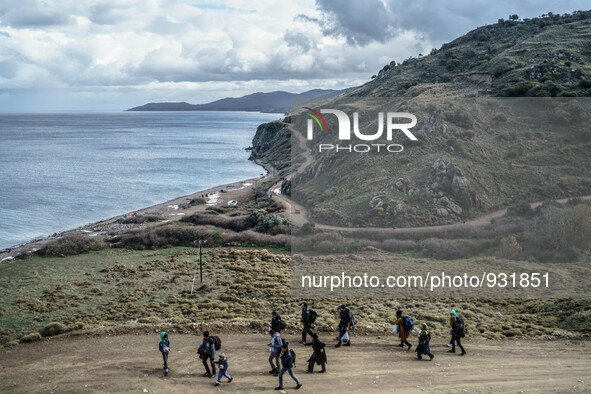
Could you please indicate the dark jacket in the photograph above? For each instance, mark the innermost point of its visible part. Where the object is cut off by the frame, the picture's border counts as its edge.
(286, 360)
(345, 318)
(209, 346)
(276, 324)
(164, 343)
(456, 329)
(305, 317)
(318, 355)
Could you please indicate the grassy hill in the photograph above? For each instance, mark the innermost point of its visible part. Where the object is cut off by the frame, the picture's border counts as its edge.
(489, 133)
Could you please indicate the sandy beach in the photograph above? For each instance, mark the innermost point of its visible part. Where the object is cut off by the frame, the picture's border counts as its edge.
(171, 210)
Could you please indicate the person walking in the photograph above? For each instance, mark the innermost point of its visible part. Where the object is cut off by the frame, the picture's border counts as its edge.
(287, 364)
(423, 346)
(164, 347)
(308, 317)
(403, 331)
(457, 333)
(222, 369)
(344, 326)
(207, 354)
(452, 320)
(275, 349)
(276, 324)
(318, 356)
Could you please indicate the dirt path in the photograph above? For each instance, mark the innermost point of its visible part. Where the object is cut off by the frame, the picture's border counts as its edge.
(300, 215)
(132, 363)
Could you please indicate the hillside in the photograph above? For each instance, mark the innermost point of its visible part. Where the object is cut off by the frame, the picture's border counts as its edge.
(487, 137)
(279, 101)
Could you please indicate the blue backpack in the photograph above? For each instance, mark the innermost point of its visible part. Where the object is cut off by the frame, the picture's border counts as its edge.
(408, 324)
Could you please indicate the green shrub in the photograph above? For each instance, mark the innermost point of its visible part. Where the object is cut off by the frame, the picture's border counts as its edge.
(500, 117)
(567, 94)
(307, 229)
(72, 244)
(32, 337)
(459, 117)
(54, 328)
(520, 208)
(520, 89)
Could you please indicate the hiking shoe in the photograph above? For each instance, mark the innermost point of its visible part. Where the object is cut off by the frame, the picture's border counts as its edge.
(323, 371)
(451, 351)
(461, 354)
(401, 345)
(302, 342)
(279, 388)
(431, 358)
(298, 386)
(418, 358)
(449, 345)
(409, 346)
(337, 345)
(206, 375)
(217, 384)
(273, 371)
(347, 344)
(230, 380)
(308, 371)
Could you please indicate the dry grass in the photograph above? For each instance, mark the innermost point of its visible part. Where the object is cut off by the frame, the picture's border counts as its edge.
(241, 286)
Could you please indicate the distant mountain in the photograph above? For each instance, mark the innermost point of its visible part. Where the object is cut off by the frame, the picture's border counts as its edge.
(278, 101)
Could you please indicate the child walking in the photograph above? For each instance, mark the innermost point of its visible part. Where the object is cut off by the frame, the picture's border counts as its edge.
(424, 339)
(222, 369)
(164, 347)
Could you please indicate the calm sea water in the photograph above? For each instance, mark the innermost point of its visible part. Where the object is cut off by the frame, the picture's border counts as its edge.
(61, 171)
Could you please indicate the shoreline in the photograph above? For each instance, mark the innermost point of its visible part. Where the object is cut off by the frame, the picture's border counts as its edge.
(169, 208)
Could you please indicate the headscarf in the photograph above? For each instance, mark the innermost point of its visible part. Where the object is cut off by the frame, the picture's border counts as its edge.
(399, 313)
(424, 329)
(162, 334)
(453, 312)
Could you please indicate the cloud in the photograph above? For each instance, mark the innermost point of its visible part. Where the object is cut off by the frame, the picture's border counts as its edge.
(149, 48)
(362, 22)
(27, 13)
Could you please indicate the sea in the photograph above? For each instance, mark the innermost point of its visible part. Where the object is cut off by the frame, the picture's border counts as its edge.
(59, 171)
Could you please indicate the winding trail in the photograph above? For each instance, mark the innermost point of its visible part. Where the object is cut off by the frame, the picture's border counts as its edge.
(300, 214)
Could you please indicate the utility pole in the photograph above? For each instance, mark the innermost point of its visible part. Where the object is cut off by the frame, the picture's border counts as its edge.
(201, 241)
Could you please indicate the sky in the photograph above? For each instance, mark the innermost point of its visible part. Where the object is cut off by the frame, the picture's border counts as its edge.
(62, 55)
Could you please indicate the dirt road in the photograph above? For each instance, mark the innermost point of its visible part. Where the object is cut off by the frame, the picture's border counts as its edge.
(132, 363)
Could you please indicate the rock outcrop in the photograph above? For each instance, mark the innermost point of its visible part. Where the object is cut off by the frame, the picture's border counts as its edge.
(450, 189)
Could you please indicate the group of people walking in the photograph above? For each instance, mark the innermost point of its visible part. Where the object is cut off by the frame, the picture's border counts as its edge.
(282, 358)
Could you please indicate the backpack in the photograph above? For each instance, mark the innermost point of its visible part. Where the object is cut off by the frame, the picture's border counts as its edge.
(313, 316)
(408, 324)
(217, 342)
(352, 321)
(282, 325)
(293, 356)
(462, 327)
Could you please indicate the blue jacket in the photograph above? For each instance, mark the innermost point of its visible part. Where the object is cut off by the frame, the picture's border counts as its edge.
(223, 363)
(276, 342)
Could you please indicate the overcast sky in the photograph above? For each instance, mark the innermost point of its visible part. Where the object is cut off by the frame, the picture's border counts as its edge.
(115, 54)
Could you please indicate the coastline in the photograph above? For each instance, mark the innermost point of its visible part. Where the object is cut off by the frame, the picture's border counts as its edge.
(171, 209)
